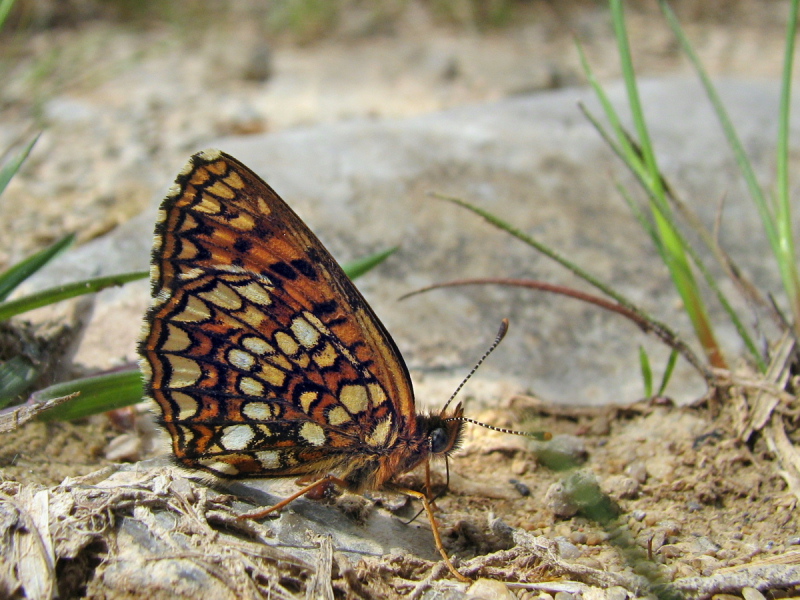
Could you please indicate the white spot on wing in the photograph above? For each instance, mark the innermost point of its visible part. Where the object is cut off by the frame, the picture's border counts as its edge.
(380, 433)
(354, 398)
(236, 437)
(269, 459)
(219, 466)
(251, 387)
(313, 434)
(241, 359)
(257, 411)
(305, 333)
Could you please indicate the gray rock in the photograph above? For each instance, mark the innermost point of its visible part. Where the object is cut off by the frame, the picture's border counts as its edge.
(534, 161)
(375, 533)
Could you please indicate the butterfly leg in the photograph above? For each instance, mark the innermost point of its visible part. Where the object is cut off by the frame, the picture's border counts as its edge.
(327, 480)
(436, 537)
(429, 486)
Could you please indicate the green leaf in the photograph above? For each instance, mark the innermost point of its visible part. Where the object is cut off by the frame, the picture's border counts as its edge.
(358, 267)
(15, 275)
(673, 358)
(97, 394)
(10, 169)
(63, 292)
(16, 374)
(647, 372)
(5, 8)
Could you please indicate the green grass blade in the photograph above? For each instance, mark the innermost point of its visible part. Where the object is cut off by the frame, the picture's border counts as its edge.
(693, 304)
(640, 216)
(543, 248)
(62, 292)
(783, 211)
(654, 234)
(5, 8)
(15, 275)
(622, 147)
(578, 271)
(647, 372)
(727, 125)
(641, 160)
(673, 358)
(10, 169)
(782, 162)
(629, 77)
(16, 374)
(358, 267)
(778, 230)
(98, 394)
(711, 282)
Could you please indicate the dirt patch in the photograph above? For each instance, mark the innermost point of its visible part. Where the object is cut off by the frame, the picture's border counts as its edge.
(46, 453)
(682, 504)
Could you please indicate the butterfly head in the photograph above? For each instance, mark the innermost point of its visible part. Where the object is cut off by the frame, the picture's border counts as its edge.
(442, 431)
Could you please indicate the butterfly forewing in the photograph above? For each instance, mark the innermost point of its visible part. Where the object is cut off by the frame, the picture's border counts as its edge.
(263, 356)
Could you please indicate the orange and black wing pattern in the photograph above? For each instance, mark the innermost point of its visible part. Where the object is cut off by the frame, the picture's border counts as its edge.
(263, 357)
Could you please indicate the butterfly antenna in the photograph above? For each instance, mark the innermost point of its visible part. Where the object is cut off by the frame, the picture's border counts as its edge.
(501, 333)
(537, 435)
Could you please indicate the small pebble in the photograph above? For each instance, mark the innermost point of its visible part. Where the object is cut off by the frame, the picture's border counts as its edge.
(500, 528)
(596, 539)
(670, 527)
(489, 589)
(567, 549)
(670, 551)
(598, 426)
(527, 595)
(520, 466)
(637, 470)
(559, 502)
(126, 446)
(616, 592)
(621, 486)
(751, 593)
(706, 565)
(578, 537)
(703, 545)
(523, 489)
(561, 452)
(726, 554)
(639, 515)
(657, 539)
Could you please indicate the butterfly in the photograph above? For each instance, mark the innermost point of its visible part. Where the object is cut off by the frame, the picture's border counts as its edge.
(264, 358)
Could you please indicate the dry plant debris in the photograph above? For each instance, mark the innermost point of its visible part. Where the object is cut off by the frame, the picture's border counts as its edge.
(700, 512)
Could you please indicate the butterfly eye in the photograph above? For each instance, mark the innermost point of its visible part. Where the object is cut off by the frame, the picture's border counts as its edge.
(439, 440)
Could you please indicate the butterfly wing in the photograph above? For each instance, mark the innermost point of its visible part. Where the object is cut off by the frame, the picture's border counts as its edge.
(262, 355)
